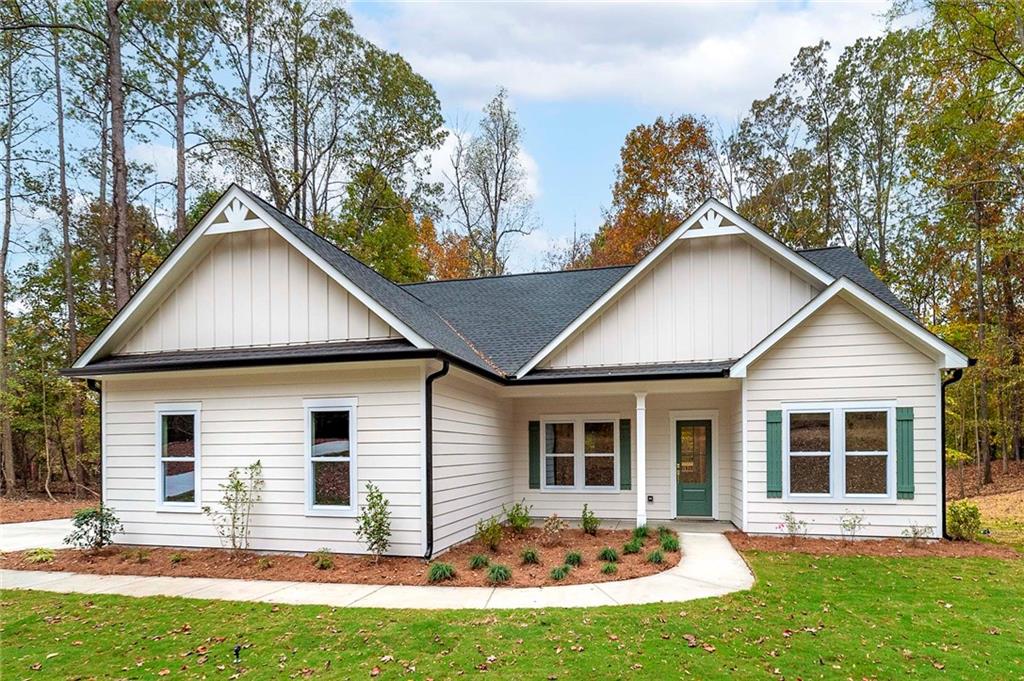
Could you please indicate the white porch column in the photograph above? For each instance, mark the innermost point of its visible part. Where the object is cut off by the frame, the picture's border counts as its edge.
(641, 459)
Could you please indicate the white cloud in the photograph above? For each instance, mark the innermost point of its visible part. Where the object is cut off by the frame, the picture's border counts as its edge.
(712, 59)
(441, 164)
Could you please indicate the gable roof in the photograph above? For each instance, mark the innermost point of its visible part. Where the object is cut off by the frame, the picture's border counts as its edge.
(510, 318)
(840, 261)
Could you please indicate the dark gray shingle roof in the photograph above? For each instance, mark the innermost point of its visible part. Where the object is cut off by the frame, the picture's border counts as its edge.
(512, 318)
(840, 261)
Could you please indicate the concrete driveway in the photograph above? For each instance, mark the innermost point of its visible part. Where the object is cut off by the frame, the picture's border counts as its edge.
(47, 534)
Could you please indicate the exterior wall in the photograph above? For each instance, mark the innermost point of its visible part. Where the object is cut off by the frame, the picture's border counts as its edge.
(472, 456)
(621, 504)
(840, 354)
(258, 414)
(710, 298)
(253, 289)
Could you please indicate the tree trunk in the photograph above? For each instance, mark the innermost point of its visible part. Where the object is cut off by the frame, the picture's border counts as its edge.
(6, 439)
(115, 83)
(180, 227)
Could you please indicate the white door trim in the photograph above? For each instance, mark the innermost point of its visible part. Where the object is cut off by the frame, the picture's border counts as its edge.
(693, 415)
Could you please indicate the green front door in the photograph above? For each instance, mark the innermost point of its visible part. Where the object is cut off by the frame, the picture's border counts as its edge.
(693, 468)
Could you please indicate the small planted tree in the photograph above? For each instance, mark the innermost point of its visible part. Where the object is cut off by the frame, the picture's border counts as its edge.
(94, 528)
(374, 522)
(238, 496)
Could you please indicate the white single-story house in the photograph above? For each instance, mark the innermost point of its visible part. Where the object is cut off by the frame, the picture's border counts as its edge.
(723, 376)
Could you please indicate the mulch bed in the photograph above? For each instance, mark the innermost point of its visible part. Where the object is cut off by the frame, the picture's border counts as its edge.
(120, 560)
(894, 547)
(1011, 481)
(27, 508)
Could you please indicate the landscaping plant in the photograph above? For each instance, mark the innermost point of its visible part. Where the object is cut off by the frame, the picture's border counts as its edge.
(642, 532)
(322, 559)
(440, 572)
(792, 525)
(609, 568)
(40, 555)
(561, 572)
(916, 533)
(963, 520)
(488, 532)
(656, 557)
(264, 563)
(517, 516)
(238, 496)
(574, 558)
(551, 533)
(478, 561)
(94, 528)
(138, 556)
(609, 555)
(530, 556)
(632, 546)
(589, 522)
(851, 523)
(498, 574)
(176, 558)
(670, 543)
(374, 523)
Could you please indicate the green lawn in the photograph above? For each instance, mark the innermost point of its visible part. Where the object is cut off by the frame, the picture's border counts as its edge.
(807, 617)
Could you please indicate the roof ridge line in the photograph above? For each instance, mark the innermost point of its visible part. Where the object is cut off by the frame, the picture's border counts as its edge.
(513, 274)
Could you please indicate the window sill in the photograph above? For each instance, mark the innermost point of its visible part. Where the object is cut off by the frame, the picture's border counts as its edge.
(331, 513)
(861, 499)
(167, 508)
(582, 490)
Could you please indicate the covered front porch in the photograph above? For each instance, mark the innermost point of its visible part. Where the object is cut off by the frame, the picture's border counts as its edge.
(636, 452)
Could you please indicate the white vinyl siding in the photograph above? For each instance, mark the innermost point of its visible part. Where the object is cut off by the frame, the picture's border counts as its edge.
(836, 356)
(711, 298)
(252, 289)
(258, 414)
(472, 456)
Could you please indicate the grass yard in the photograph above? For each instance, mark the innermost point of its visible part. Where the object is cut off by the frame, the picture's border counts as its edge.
(807, 617)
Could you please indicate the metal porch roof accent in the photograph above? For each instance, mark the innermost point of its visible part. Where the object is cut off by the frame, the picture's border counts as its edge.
(627, 372)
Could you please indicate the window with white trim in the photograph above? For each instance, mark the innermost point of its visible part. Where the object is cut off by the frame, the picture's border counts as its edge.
(177, 445)
(840, 451)
(581, 453)
(330, 452)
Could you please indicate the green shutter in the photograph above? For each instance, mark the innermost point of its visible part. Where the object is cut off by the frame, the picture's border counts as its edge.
(904, 452)
(625, 451)
(773, 434)
(534, 454)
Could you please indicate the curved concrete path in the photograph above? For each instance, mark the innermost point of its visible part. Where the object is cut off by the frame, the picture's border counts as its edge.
(46, 534)
(710, 567)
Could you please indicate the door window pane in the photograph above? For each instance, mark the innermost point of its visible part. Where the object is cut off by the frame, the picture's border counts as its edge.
(809, 432)
(331, 483)
(867, 431)
(560, 471)
(599, 438)
(179, 436)
(330, 433)
(809, 474)
(599, 471)
(180, 481)
(866, 474)
(559, 438)
(692, 454)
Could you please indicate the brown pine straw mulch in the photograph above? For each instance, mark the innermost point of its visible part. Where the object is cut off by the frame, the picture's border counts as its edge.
(1011, 481)
(351, 569)
(21, 509)
(892, 547)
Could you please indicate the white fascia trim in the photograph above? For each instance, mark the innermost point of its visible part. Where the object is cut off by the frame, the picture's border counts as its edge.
(746, 227)
(152, 285)
(949, 357)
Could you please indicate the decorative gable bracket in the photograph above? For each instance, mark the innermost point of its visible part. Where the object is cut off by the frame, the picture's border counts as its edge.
(236, 217)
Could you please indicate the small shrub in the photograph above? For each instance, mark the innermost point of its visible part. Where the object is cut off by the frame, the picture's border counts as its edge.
(665, 532)
(642, 532)
(478, 561)
(574, 558)
(238, 496)
(632, 546)
(440, 572)
(916, 533)
(264, 563)
(551, 533)
(488, 533)
(177, 558)
(589, 522)
(656, 557)
(609, 555)
(94, 528)
(36, 556)
(517, 516)
(530, 557)
(373, 525)
(609, 568)
(851, 523)
(138, 556)
(561, 572)
(670, 543)
(322, 559)
(963, 520)
(792, 525)
(498, 574)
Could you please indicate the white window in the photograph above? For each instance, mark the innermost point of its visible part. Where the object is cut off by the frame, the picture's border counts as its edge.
(177, 456)
(840, 451)
(330, 451)
(581, 453)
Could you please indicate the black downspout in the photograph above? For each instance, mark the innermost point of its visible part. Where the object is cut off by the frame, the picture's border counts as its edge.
(953, 378)
(428, 432)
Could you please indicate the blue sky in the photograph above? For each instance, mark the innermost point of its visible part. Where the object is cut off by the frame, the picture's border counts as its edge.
(581, 75)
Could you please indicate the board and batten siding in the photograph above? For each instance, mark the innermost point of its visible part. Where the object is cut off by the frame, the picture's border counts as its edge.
(472, 456)
(840, 354)
(621, 504)
(710, 298)
(258, 414)
(254, 289)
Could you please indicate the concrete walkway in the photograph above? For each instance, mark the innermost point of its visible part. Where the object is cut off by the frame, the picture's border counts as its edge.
(42, 534)
(710, 567)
